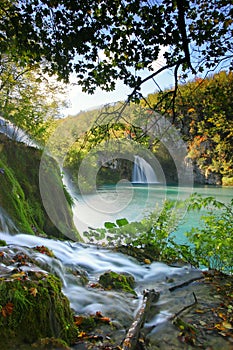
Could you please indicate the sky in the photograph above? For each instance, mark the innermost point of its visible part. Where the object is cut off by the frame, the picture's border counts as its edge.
(80, 101)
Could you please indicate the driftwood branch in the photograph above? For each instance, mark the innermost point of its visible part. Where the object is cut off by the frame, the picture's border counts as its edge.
(131, 338)
(186, 283)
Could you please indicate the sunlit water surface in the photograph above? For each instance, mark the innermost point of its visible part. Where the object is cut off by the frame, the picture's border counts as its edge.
(134, 202)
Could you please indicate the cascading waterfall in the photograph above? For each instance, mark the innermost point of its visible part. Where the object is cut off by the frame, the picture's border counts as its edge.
(143, 172)
(15, 133)
(6, 223)
(93, 261)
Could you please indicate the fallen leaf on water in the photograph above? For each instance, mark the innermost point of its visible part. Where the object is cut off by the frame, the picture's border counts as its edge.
(94, 285)
(147, 261)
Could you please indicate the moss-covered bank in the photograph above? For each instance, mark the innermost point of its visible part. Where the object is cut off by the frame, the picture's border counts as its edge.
(31, 310)
(20, 194)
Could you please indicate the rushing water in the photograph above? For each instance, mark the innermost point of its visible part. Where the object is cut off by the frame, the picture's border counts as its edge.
(143, 172)
(93, 261)
(6, 223)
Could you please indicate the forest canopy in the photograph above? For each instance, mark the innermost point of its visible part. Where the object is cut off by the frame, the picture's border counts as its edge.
(102, 41)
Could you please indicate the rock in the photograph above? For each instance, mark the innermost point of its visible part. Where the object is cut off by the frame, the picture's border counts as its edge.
(33, 309)
(20, 193)
(122, 282)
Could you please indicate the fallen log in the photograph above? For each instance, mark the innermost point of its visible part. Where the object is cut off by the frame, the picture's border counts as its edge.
(132, 336)
(186, 283)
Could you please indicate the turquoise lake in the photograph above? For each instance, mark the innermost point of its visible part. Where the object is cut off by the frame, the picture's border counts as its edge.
(134, 202)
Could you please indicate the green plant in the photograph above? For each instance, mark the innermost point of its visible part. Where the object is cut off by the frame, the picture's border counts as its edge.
(212, 242)
(155, 234)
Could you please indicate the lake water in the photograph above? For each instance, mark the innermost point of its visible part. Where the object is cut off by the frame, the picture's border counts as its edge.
(134, 202)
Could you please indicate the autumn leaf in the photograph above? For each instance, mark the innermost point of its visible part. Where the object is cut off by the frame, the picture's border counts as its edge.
(147, 261)
(33, 291)
(105, 319)
(223, 326)
(227, 325)
(82, 334)
(19, 275)
(222, 315)
(198, 311)
(191, 110)
(78, 320)
(7, 309)
(127, 343)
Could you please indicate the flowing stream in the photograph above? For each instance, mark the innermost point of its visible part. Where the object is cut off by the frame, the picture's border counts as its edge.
(91, 261)
(79, 267)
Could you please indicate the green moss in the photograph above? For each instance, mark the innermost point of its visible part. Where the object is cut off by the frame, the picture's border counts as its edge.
(31, 310)
(50, 343)
(88, 324)
(2, 243)
(12, 199)
(20, 193)
(122, 282)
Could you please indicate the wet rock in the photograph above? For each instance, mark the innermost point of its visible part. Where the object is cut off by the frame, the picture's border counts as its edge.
(122, 282)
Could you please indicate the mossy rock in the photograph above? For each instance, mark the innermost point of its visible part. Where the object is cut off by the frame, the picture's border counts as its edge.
(50, 344)
(2, 243)
(118, 281)
(34, 309)
(20, 195)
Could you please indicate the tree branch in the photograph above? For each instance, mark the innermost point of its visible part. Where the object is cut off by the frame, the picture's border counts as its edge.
(131, 338)
(182, 28)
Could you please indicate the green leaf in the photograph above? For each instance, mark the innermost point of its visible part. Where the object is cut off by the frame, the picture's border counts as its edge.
(108, 224)
(122, 222)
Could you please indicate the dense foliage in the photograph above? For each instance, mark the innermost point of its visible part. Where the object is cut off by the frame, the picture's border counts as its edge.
(204, 115)
(154, 233)
(102, 41)
(209, 245)
(212, 242)
(29, 99)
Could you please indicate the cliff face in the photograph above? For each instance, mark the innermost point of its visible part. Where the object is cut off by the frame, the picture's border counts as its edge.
(20, 195)
(205, 177)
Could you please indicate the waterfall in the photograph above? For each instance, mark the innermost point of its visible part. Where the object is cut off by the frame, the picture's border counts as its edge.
(15, 133)
(6, 223)
(143, 172)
